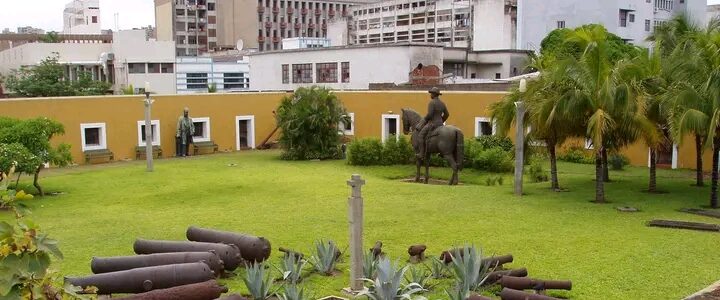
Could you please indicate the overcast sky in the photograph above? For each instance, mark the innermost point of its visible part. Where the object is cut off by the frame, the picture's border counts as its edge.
(47, 14)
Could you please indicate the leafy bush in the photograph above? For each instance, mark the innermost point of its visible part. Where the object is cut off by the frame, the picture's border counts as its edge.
(537, 174)
(371, 151)
(577, 155)
(618, 161)
(47, 79)
(493, 160)
(309, 120)
(397, 152)
(494, 141)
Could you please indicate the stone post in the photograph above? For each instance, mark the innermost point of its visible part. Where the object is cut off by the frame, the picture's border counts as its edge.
(519, 141)
(355, 214)
(148, 129)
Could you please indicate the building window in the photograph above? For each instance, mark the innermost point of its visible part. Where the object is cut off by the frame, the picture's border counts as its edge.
(347, 128)
(202, 129)
(94, 136)
(94, 19)
(631, 18)
(390, 127)
(234, 81)
(166, 68)
(623, 17)
(302, 73)
(647, 25)
(498, 75)
(326, 72)
(285, 74)
(345, 71)
(196, 81)
(483, 127)
(155, 132)
(589, 144)
(153, 68)
(211, 6)
(136, 68)
(560, 24)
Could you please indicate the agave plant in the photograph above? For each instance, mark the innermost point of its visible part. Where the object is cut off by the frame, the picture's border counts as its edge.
(325, 257)
(291, 268)
(458, 293)
(437, 268)
(388, 283)
(418, 276)
(258, 281)
(291, 292)
(369, 265)
(468, 267)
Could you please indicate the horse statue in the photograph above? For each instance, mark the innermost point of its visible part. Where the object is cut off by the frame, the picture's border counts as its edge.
(446, 140)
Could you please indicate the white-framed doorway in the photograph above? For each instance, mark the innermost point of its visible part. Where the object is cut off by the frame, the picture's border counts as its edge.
(244, 132)
(390, 126)
(674, 159)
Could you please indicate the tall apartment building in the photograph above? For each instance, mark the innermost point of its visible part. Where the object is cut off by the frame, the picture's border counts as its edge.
(82, 17)
(632, 20)
(192, 24)
(30, 30)
(471, 24)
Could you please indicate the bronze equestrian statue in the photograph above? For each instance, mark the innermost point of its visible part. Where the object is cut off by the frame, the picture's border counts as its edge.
(430, 136)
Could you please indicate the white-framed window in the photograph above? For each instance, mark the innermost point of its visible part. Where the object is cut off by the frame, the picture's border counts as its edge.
(390, 126)
(589, 144)
(244, 132)
(673, 162)
(535, 143)
(155, 131)
(348, 128)
(560, 24)
(202, 129)
(94, 136)
(484, 126)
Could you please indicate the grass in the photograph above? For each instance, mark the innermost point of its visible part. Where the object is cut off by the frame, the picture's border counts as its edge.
(607, 254)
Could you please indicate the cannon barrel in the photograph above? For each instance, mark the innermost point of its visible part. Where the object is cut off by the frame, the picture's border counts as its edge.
(498, 260)
(417, 250)
(100, 265)
(197, 291)
(252, 248)
(232, 297)
(510, 294)
(496, 275)
(376, 249)
(229, 254)
(289, 252)
(141, 280)
(524, 283)
(478, 297)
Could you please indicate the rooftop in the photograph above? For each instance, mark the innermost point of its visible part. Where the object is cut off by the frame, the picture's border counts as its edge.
(365, 46)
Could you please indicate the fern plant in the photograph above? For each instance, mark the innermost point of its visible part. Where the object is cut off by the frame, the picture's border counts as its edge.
(258, 282)
(388, 283)
(291, 292)
(325, 257)
(469, 269)
(291, 268)
(437, 268)
(418, 276)
(369, 265)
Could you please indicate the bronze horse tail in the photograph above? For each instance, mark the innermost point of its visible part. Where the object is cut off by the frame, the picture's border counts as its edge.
(459, 149)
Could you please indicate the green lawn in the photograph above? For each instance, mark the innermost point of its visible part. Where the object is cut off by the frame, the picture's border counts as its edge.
(607, 254)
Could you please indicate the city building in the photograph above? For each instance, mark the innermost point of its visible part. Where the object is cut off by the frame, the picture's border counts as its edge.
(631, 20)
(713, 11)
(30, 30)
(191, 24)
(82, 17)
(305, 42)
(228, 73)
(341, 67)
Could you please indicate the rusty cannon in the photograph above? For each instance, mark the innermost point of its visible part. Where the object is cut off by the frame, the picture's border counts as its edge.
(477, 297)
(510, 294)
(229, 254)
(417, 251)
(524, 283)
(376, 250)
(100, 265)
(141, 280)
(232, 297)
(252, 248)
(447, 255)
(493, 277)
(196, 291)
(289, 252)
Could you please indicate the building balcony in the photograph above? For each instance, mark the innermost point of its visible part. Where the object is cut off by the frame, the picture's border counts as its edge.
(324, 26)
(298, 25)
(276, 39)
(268, 24)
(276, 10)
(283, 25)
(331, 13)
(304, 11)
(311, 25)
(290, 11)
(344, 13)
(260, 9)
(318, 12)
(261, 38)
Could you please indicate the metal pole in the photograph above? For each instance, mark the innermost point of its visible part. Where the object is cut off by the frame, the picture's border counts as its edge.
(148, 132)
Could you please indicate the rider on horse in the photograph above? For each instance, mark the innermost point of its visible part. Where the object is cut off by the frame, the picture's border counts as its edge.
(436, 116)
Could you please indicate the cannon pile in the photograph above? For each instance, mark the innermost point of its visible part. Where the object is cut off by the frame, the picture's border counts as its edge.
(164, 270)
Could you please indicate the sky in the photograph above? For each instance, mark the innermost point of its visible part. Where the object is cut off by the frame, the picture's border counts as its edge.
(47, 14)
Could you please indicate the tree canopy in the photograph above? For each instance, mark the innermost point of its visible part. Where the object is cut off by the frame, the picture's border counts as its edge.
(47, 79)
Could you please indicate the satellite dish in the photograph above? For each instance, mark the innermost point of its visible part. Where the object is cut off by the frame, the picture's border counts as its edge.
(239, 44)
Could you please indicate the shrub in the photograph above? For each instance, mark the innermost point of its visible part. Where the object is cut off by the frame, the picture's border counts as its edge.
(537, 174)
(396, 152)
(577, 155)
(494, 141)
(472, 149)
(493, 160)
(618, 161)
(369, 152)
(309, 124)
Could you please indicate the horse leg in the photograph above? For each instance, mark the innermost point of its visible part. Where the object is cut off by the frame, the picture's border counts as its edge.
(427, 168)
(451, 161)
(417, 171)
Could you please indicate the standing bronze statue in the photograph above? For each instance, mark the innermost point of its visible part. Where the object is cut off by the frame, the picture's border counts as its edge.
(184, 134)
(430, 136)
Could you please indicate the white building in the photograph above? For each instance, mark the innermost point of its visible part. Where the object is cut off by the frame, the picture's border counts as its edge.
(631, 20)
(82, 17)
(228, 74)
(305, 42)
(341, 68)
(30, 30)
(713, 11)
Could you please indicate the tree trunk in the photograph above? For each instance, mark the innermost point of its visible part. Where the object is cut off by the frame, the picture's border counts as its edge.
(36, 183)
(652, 186)
(599, 187)
(714, 183)
(699, 161)
(555, 185)
(605, 172)
(17, 182)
